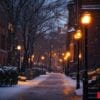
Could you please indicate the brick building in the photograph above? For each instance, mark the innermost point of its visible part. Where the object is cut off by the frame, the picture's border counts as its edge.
(3, 37)
(76, 9)
(93, 6)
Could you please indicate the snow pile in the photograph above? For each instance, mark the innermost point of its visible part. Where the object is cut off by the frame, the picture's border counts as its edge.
(72, 83)
(79, 91)
(7, 92)
(33, 82)
(69, 82)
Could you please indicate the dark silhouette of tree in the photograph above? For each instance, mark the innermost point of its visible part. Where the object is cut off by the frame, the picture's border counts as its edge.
(32, 19)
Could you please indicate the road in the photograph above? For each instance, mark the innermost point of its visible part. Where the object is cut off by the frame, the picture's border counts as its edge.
(52, 88)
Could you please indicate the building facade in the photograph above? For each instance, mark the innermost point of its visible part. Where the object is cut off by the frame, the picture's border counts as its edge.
(3, 38)
(76, 9)
(93, 7)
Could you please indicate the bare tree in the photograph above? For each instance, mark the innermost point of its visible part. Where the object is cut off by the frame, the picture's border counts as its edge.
(39, 18)
(12, 9)
(35, 18)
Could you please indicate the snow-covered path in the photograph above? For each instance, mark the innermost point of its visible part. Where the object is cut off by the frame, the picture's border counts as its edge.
(52, 86)
(8, 92)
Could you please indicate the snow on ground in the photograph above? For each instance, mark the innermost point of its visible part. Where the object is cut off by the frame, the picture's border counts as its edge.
(6, 92)
(79, 92)
(72, 83)
(69, 82)
(33, 82)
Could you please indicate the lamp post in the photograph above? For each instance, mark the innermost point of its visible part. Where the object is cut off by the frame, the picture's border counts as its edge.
(85, 20)
(66, 58)
(63, 62)
(42, 59)
(19, 49)
(32, 58)
(50, 56)
(77, 37)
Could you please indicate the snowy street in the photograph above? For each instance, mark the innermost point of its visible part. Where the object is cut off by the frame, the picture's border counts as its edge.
(53, 86)
(49, 49)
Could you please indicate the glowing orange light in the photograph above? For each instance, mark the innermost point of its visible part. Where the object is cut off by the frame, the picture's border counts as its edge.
(33, 56)
(78, 35)
(19, 47)
(60, 60)
(63, 54)
(42, 58)
(67, 55)
(86, 18)
(80, 56)
(54, 54)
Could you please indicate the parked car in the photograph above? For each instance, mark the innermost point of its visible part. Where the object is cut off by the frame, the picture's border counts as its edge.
(38, 71)
(22, 78)
(8, 75)
(2, 74)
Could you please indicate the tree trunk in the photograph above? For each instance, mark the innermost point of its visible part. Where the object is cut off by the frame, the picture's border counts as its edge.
(25, 60)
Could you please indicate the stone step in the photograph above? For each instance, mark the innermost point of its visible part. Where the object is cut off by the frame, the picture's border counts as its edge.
(92, 98)
(92, 90)
(92, 93)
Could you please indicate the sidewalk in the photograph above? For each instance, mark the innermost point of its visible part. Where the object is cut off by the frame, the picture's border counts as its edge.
(47, 83)
(77, 94)
(6, 92)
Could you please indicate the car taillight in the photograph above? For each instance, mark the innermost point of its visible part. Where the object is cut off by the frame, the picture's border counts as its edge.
(98, 95)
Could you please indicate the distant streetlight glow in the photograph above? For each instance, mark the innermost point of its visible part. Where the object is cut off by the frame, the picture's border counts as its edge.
(54, 54)
(78, 35)
(80, 56)
(32, 58)
(19, 47)
(66, 58)
(67, 55)
(63, 54)
(42, 58)
(60, 60)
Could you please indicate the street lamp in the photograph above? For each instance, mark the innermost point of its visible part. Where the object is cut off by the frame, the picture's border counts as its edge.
(66, 58)
(60, 60)
(42, 58)
(63, 62)
(32, 57)
(62, 54)
(19, 49)
(80, 56)
(50, 56)
(77, 37)
(85, 20)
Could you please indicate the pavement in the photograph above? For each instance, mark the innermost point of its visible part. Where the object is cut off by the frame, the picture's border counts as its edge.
(55, 87)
